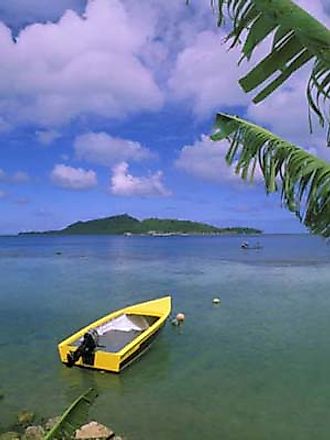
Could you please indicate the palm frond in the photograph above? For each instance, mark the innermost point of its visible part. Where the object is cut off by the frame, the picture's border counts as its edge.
(73, 417)
(298, 38)
(303, 179)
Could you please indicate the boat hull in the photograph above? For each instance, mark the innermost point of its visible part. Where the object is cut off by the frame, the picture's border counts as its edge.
(115, 361)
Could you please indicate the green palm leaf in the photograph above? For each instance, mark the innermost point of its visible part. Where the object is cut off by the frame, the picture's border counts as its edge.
(303, 179)
(73, 417)
(298, 38)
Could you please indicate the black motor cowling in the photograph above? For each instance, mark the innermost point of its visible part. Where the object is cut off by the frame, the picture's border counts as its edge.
(86, 349)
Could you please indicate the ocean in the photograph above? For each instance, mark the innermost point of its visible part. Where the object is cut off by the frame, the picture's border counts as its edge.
(256, 366)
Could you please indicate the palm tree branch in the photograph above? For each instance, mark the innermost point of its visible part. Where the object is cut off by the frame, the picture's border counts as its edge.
(73, 417)
(298, 38)
(302, 178)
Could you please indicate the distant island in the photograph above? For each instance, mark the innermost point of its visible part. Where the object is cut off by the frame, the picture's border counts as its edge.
(127, 225)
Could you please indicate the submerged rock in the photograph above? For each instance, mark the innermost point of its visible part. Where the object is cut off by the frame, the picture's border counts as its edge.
(51, 422)
(34, 433)
(10, 436)
(94, 430)
(25, 417)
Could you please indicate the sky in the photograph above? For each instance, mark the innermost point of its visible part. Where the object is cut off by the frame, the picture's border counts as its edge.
(106, 108)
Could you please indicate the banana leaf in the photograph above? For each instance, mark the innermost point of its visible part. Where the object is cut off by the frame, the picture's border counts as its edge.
(73, 417)
(302, 178)
(297, 39)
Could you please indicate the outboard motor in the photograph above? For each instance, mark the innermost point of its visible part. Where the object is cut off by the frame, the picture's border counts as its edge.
(86, 349)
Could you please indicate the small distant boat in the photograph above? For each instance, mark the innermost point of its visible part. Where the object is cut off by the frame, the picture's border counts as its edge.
(246, 245)
(114, 341)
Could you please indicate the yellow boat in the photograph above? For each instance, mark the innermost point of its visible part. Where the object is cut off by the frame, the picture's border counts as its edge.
(114, 341)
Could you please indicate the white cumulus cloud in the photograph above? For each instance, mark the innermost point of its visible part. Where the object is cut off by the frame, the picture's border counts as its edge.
(55, 72)
(104, 149)
(206, 74)
(125, 184)
(205, 159)
(73, 178)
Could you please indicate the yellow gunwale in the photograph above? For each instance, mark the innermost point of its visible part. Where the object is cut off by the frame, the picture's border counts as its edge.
(159, 308)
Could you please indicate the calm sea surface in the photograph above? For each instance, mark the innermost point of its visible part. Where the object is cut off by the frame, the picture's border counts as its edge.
(257, 366)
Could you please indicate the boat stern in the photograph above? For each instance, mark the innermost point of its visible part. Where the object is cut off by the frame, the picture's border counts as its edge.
(102, 360)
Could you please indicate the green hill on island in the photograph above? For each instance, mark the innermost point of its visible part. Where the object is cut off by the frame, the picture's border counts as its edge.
(125, 224)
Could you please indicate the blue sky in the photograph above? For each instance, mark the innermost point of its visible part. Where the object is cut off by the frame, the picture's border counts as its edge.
(106, 107)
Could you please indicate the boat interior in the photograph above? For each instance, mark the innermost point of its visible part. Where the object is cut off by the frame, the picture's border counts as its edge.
(114, 335)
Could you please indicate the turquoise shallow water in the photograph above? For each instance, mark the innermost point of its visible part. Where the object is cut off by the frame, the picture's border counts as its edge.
(254, 367)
